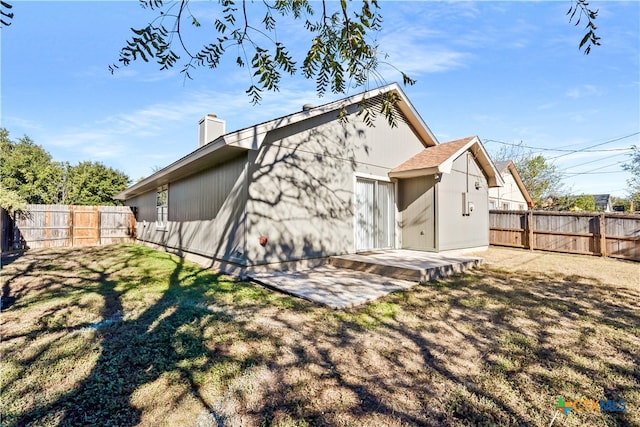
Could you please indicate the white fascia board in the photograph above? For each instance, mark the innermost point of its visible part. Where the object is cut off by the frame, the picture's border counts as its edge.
(495, 178)
(251, 138)
(482, 157)
(414, 173)
(447, 165)
(372, 177)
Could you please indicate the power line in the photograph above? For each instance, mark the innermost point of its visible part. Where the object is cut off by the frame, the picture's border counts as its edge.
(556, 149)
(591, 173)
(581, 150)
(616, 139)
(593, 161)
(584, 150)
(596, 169)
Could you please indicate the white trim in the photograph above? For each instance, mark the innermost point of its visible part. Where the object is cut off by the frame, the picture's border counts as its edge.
(481, 157)
(252, 137)
(398, 220)
(394, 198)
(162, 225)
(354, 204)
(372, 177)
(414, 173)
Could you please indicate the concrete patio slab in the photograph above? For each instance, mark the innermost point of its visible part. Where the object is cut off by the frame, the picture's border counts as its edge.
(338, 288)
(407, 265)
(351, 280)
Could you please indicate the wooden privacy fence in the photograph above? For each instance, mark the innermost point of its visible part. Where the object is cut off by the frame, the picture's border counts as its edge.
(44, 226)
(588, 233)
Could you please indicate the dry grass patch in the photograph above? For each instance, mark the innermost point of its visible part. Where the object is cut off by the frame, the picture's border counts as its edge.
(125, 335)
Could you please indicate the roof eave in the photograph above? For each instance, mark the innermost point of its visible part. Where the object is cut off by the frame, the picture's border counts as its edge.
(414, 173)
(251, 138)
(520, 183)
(206, 155)
(494, 178)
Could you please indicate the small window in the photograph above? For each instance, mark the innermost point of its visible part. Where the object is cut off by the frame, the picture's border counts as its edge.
(505, 206)
(521, 207)
(492, 205)
(162, 206)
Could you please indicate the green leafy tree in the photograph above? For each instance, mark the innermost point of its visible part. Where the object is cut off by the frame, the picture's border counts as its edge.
(28, 170)
(559, 203)
(621, 201)
(11, 201)
(5, 15)
(342, 52)
(633, 167)
(568, 202)
(584, 202)
(578, 11)
(542, 179)
(93, 183)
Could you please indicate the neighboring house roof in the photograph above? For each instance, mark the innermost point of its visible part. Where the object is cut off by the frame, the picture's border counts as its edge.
(439, 159)
(602, 200)
(508, 164)
(503, 165)
(251, 138)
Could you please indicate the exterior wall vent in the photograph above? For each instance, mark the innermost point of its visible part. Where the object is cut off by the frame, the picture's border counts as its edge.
(210, 128)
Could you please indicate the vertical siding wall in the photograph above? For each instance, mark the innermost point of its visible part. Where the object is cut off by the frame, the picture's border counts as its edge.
(456, 231)
(146, 206)
(202, 196)
(302, 183)
(206, 213)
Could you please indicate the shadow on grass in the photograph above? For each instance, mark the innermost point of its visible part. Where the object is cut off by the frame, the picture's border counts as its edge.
(499, 350)
(487, 348)
(133, 351)
(564, 334)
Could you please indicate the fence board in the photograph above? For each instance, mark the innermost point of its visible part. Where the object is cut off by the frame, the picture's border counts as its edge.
(508, 229)
(591, 233)
(114, 226)
(43, 226)
(86, 226)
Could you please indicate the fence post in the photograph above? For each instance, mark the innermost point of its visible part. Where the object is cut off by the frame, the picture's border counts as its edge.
(99, 225)
(47, 224)
(603, 235)
(70, 222)
(530, 229)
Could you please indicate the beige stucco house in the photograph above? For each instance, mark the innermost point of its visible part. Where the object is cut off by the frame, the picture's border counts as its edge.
(307, 186)
(513, 195)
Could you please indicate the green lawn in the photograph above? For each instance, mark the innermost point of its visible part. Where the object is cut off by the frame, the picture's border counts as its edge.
(125, 335)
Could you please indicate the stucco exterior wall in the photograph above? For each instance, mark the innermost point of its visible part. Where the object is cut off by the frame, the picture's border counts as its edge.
(302, 183)
(455, 230)
(508, 197)
(206, 213)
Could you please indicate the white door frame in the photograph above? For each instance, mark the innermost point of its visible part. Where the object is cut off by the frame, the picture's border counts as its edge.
(376, 179)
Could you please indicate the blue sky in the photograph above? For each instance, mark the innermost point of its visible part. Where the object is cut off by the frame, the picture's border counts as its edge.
(505, 71)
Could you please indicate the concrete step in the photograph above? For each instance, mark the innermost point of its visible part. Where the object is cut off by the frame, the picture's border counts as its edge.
(392, 265)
